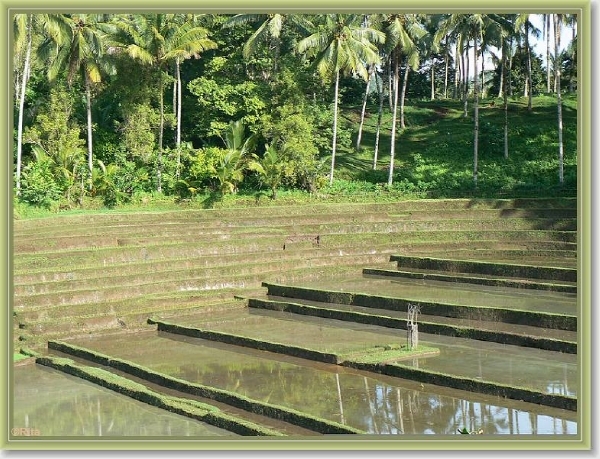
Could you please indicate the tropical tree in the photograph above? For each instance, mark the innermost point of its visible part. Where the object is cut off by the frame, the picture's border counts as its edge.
(53, 28)
(402, 31)
(524, 25)
(341, 45)
(23, 26)
(558, 20)
(268, 32)
(230, 167)
(269, 167)
(81, 54)
(158, 40)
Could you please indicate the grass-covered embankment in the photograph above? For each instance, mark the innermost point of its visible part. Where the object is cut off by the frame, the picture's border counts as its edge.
(230, 398)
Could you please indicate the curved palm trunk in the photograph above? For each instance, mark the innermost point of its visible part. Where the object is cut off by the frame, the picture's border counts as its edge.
(24, 79)
(393, 142)
(335, 116)
(364, 108)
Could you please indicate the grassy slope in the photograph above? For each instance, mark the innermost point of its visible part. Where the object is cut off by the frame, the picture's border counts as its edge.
(435, 151)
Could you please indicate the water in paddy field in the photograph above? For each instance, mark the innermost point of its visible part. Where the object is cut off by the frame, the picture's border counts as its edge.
(49, 403)
(376, 404)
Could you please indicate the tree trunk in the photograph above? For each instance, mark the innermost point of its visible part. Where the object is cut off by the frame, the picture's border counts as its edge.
(503, 63)
(457, 70)
(505, 95)
(548, 73)
(335, 116)
(88, 99)
(24, 79)
(446, 63)
(482, 81)
(510, 58)
(574, 47)
(558, 98)
(178, 140)
(466, 82)
(390, 84)
(379, 116)
(364, 108)
(529, 80)
(432, 79)
(475, 113)
(160, 134)
(403, 95)
(394, 113)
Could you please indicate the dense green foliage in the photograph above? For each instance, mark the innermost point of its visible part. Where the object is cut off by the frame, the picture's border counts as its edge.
(144, 110)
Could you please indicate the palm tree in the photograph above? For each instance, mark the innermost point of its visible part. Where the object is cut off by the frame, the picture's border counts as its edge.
(158, 40)
(558, 19)
(269, 31)
(459, 28)
(547, 38)
(341, 45)
(83, 54)
(23, 26)
(524, 24)
(230, 170)
(402, 32)
(270, 168)
(53, 28)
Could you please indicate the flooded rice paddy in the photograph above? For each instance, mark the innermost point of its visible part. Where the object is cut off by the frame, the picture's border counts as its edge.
(376, 404)
(54, 404)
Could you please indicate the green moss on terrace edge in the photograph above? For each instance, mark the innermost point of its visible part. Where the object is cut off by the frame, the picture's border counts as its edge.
(440, 379)
(568, 347)
(186, 407)
(482, 267)
(514, 283)
(289, 415)
(467, 384)
(511, 316)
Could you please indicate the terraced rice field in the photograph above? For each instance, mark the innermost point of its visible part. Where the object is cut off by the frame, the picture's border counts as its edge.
(288, 320)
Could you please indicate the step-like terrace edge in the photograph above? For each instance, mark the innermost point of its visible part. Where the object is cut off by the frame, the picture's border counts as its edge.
(266, 409)
(441, 379)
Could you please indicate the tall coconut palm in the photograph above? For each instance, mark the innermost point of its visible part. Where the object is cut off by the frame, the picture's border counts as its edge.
(402, 33)
(53, 28)
(459, 27)
(269, 31)
(372, 72)
(23, 26)
(82, 54)
(547, 18)
(558, 20)
(524, 25)
(340, 44)
(158, 40)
